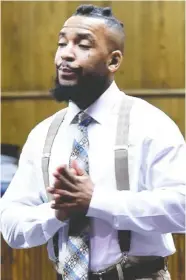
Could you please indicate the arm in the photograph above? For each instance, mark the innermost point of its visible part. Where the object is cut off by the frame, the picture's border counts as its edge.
(27, 219)
(160, 207)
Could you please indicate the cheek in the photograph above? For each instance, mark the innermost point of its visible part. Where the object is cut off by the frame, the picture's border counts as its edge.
(98, 65)
(93, 60)
(57, 57)
(90, 61)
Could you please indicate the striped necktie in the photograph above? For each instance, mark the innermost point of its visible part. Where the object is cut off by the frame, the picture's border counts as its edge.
(76, 262)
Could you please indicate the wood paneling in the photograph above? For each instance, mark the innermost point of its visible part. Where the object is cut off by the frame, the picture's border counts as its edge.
(28, 264)
(29, 36)
(154, 59)
(174, 107)
(19, 117)
(33, 264)
(154, 49)
(154, 54)
(15, 130)
(15, 95)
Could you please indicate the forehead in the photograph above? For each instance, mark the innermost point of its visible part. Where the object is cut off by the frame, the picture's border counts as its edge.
(94, 26)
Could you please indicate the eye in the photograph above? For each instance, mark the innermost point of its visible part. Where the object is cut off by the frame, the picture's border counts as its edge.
(61, 44)
(84, 46)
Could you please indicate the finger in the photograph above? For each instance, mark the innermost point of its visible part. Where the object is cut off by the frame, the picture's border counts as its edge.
(62, 182)
(57, 197)
(58, 184)
(61, 167)
(74, 165)
(63, 200)
(69, 174)
(73, 171)
(59, 170)
(50, 190)
(63, 206)
(57, 175)
(60, 195)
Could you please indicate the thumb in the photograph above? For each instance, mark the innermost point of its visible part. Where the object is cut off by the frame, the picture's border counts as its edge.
(80, 172)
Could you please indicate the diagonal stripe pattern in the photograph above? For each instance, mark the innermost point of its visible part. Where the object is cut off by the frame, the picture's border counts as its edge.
(77, 251)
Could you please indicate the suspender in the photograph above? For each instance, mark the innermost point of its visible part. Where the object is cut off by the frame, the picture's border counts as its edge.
(121, 160)
(52, 132)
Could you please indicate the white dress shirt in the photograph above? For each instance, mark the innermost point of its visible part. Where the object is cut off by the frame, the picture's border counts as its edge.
(153, 208)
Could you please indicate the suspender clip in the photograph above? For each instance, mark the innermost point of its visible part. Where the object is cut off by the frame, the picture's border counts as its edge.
(46, 155)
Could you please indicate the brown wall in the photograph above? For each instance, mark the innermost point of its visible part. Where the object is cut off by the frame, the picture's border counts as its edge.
(19, 116)
(154, 49)
(154, 60)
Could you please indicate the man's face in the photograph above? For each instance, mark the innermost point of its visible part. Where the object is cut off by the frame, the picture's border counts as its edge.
(82, 51)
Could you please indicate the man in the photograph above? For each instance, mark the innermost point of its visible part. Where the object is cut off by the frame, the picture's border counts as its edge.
(81, 173)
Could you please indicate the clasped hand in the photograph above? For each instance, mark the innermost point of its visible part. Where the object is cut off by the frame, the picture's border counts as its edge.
(72, 191)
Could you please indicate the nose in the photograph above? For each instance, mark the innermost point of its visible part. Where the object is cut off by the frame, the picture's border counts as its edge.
(67, 53)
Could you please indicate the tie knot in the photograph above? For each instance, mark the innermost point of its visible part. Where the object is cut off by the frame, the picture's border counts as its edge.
(83, 118)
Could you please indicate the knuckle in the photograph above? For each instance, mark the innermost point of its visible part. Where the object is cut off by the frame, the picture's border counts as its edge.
(77, 180)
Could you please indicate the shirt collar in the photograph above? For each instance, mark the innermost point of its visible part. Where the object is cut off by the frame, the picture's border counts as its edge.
(100, 109)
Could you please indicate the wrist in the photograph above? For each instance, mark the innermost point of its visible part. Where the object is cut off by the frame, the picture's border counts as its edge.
(61, 215)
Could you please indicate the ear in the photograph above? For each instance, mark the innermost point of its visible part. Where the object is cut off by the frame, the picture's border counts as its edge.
(114, 61)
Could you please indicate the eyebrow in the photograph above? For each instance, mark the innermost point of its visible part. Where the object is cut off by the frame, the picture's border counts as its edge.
(80, 36)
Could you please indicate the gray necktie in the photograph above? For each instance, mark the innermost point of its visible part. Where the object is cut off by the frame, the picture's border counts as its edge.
(77, 251)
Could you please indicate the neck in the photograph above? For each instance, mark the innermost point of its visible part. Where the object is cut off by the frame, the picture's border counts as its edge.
(93, 95)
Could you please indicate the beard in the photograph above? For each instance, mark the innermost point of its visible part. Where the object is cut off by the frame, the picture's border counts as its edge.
(84, 93)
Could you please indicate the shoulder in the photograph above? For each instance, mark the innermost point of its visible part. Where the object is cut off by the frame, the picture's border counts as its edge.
(36, 138)
(152, 123)
(41, 128)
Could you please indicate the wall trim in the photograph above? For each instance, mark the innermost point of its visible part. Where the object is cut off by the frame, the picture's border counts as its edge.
(14, 95)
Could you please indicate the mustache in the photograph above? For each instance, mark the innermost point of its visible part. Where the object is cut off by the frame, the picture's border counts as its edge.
(69, 66)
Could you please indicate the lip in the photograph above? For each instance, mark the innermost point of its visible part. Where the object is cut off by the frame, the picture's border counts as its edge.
(67, 73)
(67, 70)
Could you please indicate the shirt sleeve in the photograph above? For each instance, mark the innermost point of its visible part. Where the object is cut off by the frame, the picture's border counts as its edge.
(159, 206)
(27, 220)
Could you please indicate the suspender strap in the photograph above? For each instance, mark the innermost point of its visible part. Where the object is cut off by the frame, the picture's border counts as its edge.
(121, 160)
(52, 132)
(121, 150)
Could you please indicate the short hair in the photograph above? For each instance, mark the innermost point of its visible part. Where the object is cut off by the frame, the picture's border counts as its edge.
(104, 13)
(94, 11)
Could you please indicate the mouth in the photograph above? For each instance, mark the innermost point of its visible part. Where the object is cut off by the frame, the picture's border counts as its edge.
(68, 72)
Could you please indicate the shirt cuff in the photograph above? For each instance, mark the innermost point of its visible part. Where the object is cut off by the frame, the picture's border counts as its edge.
(52, 224)
(101, 205)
